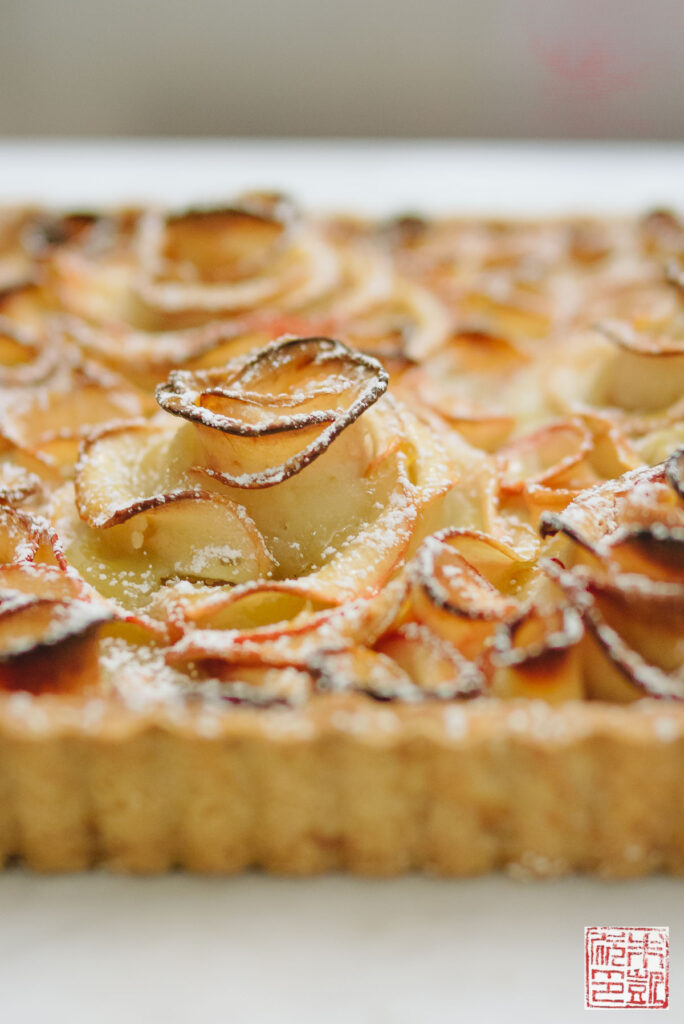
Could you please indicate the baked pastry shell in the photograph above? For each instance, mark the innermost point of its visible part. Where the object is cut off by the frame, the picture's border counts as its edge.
(345, 783)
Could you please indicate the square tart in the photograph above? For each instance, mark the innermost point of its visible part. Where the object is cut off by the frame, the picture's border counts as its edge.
(329, 544)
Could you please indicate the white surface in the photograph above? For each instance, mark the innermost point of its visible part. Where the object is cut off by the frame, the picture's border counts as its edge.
(383, 177)
(331, 951)
(335, 950)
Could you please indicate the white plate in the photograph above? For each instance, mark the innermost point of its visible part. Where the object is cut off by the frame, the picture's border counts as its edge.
(335, 950)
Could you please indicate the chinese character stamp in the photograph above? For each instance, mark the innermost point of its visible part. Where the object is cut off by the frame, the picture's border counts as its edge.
(627, 968)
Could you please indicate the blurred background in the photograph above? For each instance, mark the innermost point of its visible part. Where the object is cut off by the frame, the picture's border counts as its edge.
(459, 69)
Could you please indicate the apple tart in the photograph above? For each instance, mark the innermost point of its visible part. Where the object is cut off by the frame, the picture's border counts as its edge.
(336, 544)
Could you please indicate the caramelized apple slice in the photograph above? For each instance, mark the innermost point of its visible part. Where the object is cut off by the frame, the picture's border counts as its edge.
(362, 670)
(635, 628)
(543, 456)
(538, 656)
(25, 360)
(29, 622)
(674, 471)
(267, 416)
(47, 630)
(123, 467)
(464, 585)
(193, 534)
(637, 497)
(652, 551)
(24, 537)
(433, 665)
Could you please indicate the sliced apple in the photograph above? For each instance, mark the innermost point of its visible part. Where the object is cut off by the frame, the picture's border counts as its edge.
(433, 665)
(362, 670)
(544, 456)
(25, 537)
(674, 471)
(635, 632)
(464, 584)
(47, 630)
(256, 629)
(538, 656)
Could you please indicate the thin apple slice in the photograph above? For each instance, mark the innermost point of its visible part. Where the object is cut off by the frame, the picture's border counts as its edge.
(464, 584)
(433, 665)
(364, 671)
(543, 456)
(635, 634)
(538, 656)
(29, 623)
(190, 534)
(254, 630)
(27, 538)
(674, 471)
(122, 467)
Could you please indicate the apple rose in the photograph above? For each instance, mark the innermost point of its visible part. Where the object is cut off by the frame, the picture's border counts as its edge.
(475, 384)
(646, 373)
(630, 367)
(49, 405)
(286, 475)
(543, 471)
(233, 259)
(619, 557)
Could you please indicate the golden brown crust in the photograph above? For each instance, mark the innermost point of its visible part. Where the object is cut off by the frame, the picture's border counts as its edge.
(375, 789)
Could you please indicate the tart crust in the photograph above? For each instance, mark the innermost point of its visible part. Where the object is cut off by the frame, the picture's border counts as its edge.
(350, 784)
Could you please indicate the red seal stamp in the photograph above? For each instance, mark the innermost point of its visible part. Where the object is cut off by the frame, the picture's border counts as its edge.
(627, 968)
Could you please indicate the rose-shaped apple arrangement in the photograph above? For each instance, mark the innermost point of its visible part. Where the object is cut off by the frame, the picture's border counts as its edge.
(618, 555)
(275, 488)
(146, 292)
(631, 369)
